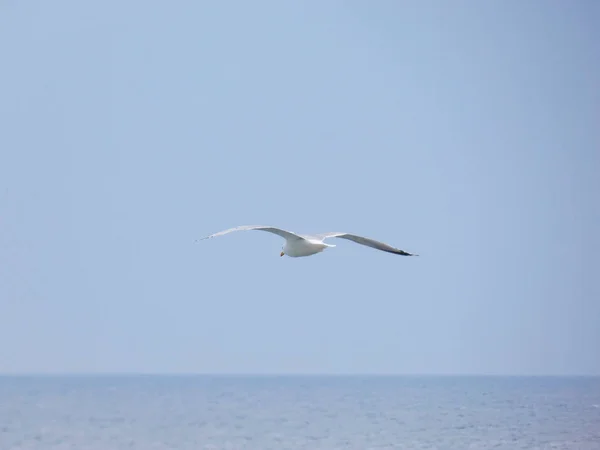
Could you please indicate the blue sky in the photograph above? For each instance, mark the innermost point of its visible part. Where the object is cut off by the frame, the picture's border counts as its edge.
(466, 132)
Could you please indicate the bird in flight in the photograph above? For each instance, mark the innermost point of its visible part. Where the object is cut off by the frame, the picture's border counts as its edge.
(298, 245)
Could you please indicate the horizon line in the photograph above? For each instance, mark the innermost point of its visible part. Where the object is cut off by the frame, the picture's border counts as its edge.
(298, 374)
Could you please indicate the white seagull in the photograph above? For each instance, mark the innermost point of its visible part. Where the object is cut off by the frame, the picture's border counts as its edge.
(297, 245)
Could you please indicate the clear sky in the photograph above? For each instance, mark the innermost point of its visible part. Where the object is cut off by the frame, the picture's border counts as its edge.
(465, 131)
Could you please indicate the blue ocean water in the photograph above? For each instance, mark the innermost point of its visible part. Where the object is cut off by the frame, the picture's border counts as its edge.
(296, 412)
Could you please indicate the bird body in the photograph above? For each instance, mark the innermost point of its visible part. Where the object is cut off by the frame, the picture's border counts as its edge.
(296, 248)
(297, 245)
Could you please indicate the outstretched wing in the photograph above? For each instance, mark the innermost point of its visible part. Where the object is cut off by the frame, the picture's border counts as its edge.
(278, 231)
(368, 242)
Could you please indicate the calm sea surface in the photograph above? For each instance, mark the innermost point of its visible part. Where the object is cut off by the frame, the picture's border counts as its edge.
(230, 412)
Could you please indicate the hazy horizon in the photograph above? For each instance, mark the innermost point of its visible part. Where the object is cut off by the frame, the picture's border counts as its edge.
(294, 374)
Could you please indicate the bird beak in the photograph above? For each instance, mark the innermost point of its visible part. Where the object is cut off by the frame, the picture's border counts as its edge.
(282, 254)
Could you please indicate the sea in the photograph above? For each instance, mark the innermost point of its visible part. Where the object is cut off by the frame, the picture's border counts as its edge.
(159, 412)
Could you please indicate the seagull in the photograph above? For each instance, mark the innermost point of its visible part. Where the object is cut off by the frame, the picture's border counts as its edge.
(298, 245)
